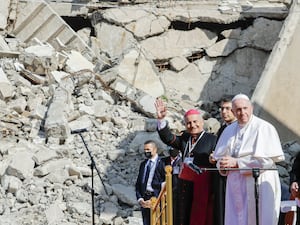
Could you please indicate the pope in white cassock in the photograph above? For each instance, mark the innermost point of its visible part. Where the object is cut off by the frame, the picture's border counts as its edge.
(250, 142)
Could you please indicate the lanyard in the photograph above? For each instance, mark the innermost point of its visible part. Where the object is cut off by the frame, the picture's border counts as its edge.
(190, 147)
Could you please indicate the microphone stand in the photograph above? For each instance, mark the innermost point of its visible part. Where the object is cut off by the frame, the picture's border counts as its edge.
(255, 174)
(93, 166)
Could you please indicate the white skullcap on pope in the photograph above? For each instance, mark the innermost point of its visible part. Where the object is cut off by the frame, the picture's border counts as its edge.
(240, 96)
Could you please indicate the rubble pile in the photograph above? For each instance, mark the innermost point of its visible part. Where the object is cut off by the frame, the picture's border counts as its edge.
(47, 94)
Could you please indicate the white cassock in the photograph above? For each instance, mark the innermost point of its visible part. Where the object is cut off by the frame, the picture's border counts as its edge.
(256, 145)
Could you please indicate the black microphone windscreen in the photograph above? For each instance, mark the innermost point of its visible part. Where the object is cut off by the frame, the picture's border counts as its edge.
(79, 131)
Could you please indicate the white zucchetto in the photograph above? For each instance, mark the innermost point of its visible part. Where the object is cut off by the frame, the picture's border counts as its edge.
(240, 96)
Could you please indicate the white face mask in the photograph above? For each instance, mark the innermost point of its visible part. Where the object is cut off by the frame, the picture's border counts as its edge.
(173, 153)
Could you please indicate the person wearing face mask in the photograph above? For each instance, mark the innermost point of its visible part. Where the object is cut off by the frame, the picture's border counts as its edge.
(174, 159)
(195, 190)
(150, 179)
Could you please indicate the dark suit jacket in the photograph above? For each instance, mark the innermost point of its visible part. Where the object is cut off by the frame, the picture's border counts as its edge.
(295, 173)
(220, 131)
(295, 177)
(201, 151)
(158, 178)
(219, 188)
(176, 163)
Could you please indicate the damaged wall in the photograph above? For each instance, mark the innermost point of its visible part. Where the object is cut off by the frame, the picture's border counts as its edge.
(54, 81)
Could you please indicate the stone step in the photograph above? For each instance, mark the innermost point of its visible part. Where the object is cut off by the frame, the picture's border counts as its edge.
(26, 13)
(37, 20)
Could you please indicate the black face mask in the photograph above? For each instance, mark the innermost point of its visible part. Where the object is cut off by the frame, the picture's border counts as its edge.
(174, 152)
(148, 155)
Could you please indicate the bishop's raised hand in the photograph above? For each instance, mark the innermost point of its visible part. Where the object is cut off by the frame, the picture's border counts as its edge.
(161, 110)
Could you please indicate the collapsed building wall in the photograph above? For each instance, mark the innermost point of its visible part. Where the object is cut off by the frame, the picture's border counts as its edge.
(48, 90)
(210, 51)
(277, 93)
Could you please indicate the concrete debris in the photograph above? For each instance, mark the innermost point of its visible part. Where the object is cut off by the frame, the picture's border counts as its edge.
(77, 62)
(64, 107)
(6, 89)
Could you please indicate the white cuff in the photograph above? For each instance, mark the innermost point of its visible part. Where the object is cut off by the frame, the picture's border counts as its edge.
(161, 124)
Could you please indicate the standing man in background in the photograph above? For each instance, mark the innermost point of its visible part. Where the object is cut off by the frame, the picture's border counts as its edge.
(219, 183)
(249, 143)
(196, 195)
(174, 159)
(295, 184)
(226, 114)
(150, 179)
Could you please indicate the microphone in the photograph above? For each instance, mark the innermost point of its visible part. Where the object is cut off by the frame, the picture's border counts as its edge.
(78, 131)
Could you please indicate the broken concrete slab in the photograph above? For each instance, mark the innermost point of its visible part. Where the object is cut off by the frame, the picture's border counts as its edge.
(174, 43)
(141, 73)
(6, 88)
